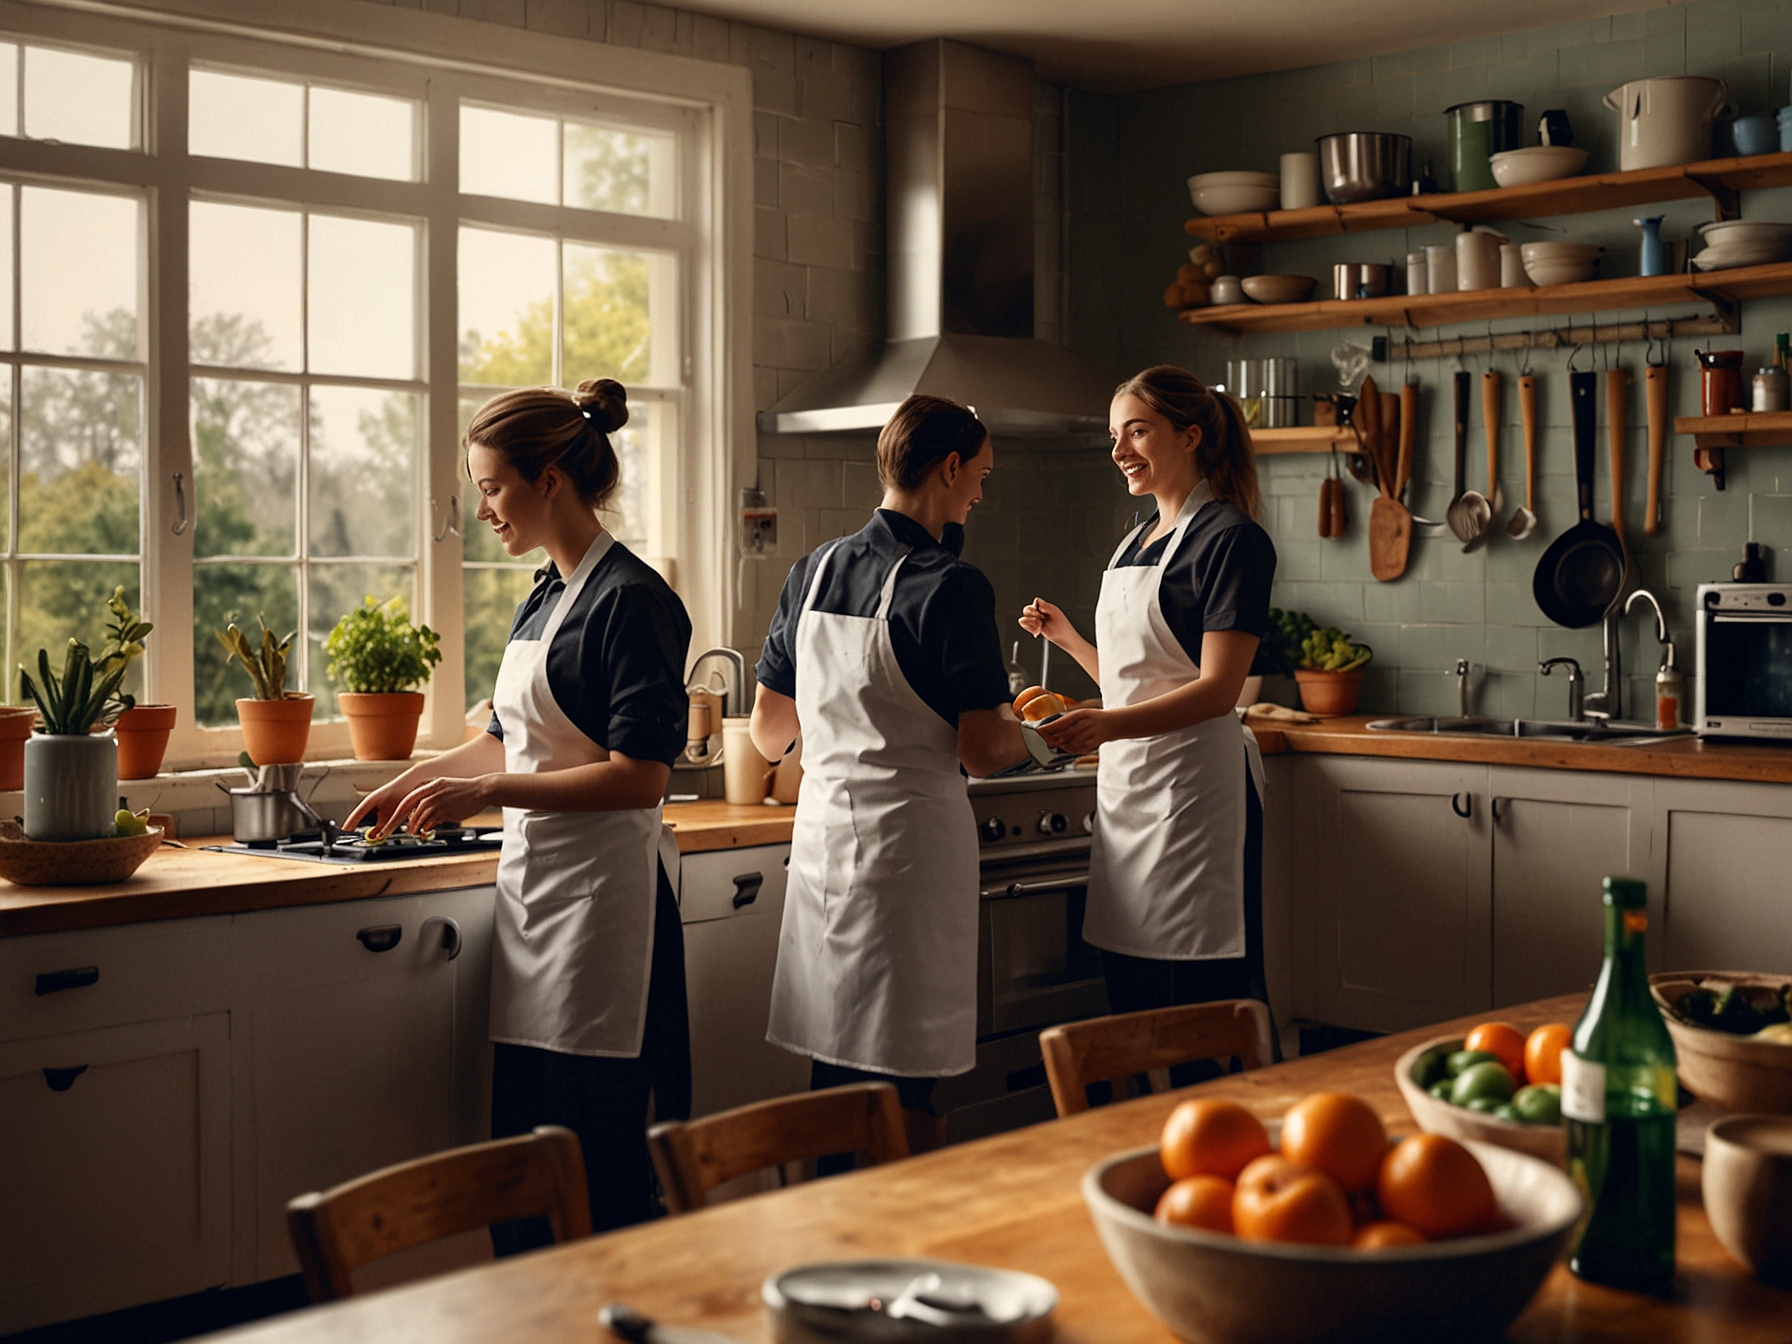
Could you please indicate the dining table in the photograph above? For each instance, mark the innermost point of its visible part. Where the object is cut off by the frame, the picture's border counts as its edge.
(1011, 1200)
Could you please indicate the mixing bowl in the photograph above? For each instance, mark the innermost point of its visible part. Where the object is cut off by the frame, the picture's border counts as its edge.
(1234, 193)
(1537, 163)
(1364, 166)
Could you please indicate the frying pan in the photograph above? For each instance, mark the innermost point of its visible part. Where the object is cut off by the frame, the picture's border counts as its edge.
(1583, 569)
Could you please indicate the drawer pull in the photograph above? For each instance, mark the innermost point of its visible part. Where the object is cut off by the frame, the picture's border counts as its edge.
(450, 934)
(381, 937)
(746, 888)
(1462, 804)
(77, 977)
(60, 1080)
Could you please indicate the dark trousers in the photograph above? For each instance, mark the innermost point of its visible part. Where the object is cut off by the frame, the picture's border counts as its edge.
(605, 1100)
(915, 1094)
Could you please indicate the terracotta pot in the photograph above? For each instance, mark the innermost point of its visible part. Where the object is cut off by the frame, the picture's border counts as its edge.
(143, 739)
(275, 731)
(15, 726)
(1329, 694)
(383, 727)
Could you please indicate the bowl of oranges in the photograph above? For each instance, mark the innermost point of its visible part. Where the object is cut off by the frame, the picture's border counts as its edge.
(1495, 1085)
(1317, 1227)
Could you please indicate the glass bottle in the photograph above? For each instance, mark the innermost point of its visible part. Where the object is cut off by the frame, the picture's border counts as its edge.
(1667, 692)
(1618, 1101)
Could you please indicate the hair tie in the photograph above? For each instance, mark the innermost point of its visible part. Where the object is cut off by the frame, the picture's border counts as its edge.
(584, 412)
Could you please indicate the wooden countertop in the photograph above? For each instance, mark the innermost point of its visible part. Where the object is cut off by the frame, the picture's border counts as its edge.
(1011, 1200)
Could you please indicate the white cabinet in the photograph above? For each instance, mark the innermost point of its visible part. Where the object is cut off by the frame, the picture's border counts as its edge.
(1723, 862)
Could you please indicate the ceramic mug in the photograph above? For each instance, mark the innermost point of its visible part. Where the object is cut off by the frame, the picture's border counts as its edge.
(745, 773)
(1746, 1181)
(1478, 259)
(1440, 268)
(1755, 135)
(1300, 181)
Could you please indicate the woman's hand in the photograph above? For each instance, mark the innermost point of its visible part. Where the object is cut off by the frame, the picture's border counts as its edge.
(1040, 617)
(381, 804)
(1080, 730)
(437, 802)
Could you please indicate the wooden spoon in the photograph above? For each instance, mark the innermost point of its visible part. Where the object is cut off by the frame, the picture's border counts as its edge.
(1390, 524)
(1490, 425)
(1655, 386)
(1524, 517)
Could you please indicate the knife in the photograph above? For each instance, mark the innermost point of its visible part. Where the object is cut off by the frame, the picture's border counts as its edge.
(625, 1321)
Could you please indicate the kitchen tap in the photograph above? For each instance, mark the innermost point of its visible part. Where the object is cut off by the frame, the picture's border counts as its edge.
(1608, 701)
(734, 691)
(1577, 683)
(1661, 624)
(1462, 688)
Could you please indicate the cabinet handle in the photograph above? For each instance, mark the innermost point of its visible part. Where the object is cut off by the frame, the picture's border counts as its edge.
(381, 937)
(1495, 803)
(1462, 804)
(77, 977)
(60, 1080)
(746, 888)
(450, 934)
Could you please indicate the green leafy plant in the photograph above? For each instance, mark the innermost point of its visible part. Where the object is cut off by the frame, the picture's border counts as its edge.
(265, 663)
(125, 633)
(1280, 650)
(1331, 650)
(376, 650)
(86, 693)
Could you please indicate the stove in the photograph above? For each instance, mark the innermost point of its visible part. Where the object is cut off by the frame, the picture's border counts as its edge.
(312, 847)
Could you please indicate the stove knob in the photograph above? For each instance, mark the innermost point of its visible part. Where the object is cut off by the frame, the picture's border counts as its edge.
(1052, 823)
(992, 829)
(1088, 823)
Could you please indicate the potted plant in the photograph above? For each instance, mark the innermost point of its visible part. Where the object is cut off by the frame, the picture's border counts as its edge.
(16, 725)
(1331, 672)
(71, 773)
(276, 722)
(142, 729)
(378, 659)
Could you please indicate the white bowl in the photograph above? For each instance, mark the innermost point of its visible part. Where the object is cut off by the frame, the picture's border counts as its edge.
(1732, 231)
(1536, 163)
(1234, 193)
(1279, 288)
(1559, 263)
(1217, 1289)
(1751, 254)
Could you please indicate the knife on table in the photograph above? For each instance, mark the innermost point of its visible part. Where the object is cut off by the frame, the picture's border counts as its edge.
(623, 1320)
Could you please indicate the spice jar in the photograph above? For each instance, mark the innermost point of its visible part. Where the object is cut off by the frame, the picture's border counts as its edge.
(1667, 692)
(1770, 390)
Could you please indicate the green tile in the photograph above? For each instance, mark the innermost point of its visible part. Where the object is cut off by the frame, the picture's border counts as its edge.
(1606, 65)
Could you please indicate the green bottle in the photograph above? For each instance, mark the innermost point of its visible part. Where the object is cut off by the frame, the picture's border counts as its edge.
(1618, 1100)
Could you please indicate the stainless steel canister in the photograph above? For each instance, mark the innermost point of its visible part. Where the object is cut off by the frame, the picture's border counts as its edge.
(1281, 393)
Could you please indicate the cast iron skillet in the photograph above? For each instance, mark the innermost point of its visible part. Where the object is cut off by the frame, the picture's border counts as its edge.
(1583, 569)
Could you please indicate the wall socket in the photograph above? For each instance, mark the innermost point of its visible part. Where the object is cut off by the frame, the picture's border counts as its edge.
(758, 522)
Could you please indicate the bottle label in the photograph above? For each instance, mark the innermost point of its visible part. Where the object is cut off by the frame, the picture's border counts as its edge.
(1583, 1089)
(1635, 921)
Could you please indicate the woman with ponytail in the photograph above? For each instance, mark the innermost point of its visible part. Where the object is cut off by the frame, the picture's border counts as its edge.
(1175, 881)
(588, 1013)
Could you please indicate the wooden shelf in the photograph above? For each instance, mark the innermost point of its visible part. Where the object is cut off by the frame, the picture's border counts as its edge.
(1714, 433)
(1720, 179)
(1479, 305)
(1304, 439)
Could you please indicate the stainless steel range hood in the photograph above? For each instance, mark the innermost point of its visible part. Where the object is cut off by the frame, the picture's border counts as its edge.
(959, 152)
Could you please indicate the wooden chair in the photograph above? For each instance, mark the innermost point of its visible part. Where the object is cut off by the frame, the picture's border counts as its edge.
(1114, 1048)
(693, 1157)
(530, 1176)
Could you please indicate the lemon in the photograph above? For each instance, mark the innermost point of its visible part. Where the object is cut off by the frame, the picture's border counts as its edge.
(126, 822)
(1779, 1032)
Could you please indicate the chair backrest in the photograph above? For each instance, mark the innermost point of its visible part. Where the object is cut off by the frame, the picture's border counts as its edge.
(693, 1157)
(1114, 1048)
(541, 1174)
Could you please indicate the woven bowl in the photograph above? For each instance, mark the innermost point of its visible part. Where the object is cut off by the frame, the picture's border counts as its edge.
(72, 863)
(1733, 1073)
(1549, 1142)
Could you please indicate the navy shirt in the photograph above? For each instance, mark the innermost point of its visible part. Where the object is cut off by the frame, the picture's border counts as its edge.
(616, 664)
(942, 614)
(1219, 578)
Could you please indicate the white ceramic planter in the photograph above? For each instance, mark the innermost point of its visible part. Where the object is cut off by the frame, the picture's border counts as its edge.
(71, 786)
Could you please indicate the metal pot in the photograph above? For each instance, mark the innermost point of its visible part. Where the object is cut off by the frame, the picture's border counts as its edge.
(271, 808)
(1666, 120)
(1364, 166)
(1361, 280)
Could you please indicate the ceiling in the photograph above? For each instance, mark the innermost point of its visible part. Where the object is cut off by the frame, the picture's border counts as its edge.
(1121, 46)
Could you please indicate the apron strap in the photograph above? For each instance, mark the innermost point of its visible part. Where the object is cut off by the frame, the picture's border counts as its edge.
(822, 556)
(1198, 498)
(889, 588)
(574, 584)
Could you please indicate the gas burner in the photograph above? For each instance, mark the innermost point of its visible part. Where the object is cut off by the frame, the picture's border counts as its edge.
(312, 847)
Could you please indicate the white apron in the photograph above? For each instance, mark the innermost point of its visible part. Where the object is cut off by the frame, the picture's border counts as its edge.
(877, 957)
(574, 936)
(1166, 866)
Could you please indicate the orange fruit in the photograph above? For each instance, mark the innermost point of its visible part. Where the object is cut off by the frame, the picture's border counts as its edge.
(1543, 1052)
(1198, 1201)
(1210, 1137)
(1279, 1200)
(1375, 1236)
(1504, 1043)
(1020, 701)
(1041, 706)
(1339, 1134)
(1435, 1185)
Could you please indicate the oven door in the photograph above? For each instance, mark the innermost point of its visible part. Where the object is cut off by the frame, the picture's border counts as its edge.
(1034, 969)
(1745, 675)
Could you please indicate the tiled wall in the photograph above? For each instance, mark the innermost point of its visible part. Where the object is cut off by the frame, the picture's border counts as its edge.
(1130, 159)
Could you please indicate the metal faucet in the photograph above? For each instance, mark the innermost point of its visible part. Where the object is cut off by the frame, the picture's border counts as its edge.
(1577, 683)
(734, 693)
(1462, 688)
(1608, 701)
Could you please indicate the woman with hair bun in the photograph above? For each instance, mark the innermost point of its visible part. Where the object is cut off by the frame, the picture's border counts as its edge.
(588, 1012)
(1175, 868)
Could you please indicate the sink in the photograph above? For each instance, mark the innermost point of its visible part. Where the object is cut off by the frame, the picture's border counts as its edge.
(1558, 730)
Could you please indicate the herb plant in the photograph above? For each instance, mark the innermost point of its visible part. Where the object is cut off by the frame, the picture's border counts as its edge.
(265, 664)
(375, 650)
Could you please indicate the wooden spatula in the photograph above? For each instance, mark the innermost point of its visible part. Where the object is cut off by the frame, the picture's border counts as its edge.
(1390, 523)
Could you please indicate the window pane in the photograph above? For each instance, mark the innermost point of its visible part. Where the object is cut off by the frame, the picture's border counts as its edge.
(80, 460)
(626, 514)
(238, 117)
(607, 323)
(362, 288)
(506, 308)
(245, 467)
(231, 590)
(5, 462)
(489, 598)
(9, 97)
(6, 342)
(363, 133)
(243, 275)
(336, 589)
(78, 259)
(60, 600)
(630, 172)
(363, 470)
(508, 154)
(80, 99)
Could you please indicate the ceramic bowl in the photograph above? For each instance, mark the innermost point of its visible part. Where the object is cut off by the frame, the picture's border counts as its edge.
(1215, 1289)
(1733, 1073)
(1234, 193)
(1559, 263)
(1548, 1142)
(1746, 1177)
(1225, 289)
(828, 1303)
(1279, 288)
(1536, 163)
(60, 863)
(1731, 232)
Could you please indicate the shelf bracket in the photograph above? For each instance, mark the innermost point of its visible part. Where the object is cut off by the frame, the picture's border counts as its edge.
(1727, 199)
(1708, 456)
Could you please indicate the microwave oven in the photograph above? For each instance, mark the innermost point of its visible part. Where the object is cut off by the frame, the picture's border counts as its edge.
(1745, 661)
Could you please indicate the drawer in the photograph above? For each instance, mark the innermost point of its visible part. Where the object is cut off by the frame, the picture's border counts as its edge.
(103, 977)
(341, 943)
(722, 883)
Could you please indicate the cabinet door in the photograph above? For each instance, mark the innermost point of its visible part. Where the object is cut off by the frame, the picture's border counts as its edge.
(114, 1168)
(1557, 834)
(1720, 860)
(1392, 892)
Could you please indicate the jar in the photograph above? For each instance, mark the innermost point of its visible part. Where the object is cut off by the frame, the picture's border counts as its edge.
(1770, 390)
(1720, 380)
(1667, 695)
(1416, 282)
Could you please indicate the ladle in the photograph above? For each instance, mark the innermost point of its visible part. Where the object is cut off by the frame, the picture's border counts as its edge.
(1469, 512)
(1524, 517)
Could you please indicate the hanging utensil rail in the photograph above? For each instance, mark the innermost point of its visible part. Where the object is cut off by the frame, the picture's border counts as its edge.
(1724, 321)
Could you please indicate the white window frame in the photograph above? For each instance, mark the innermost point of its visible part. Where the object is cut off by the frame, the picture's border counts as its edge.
(444, 59)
